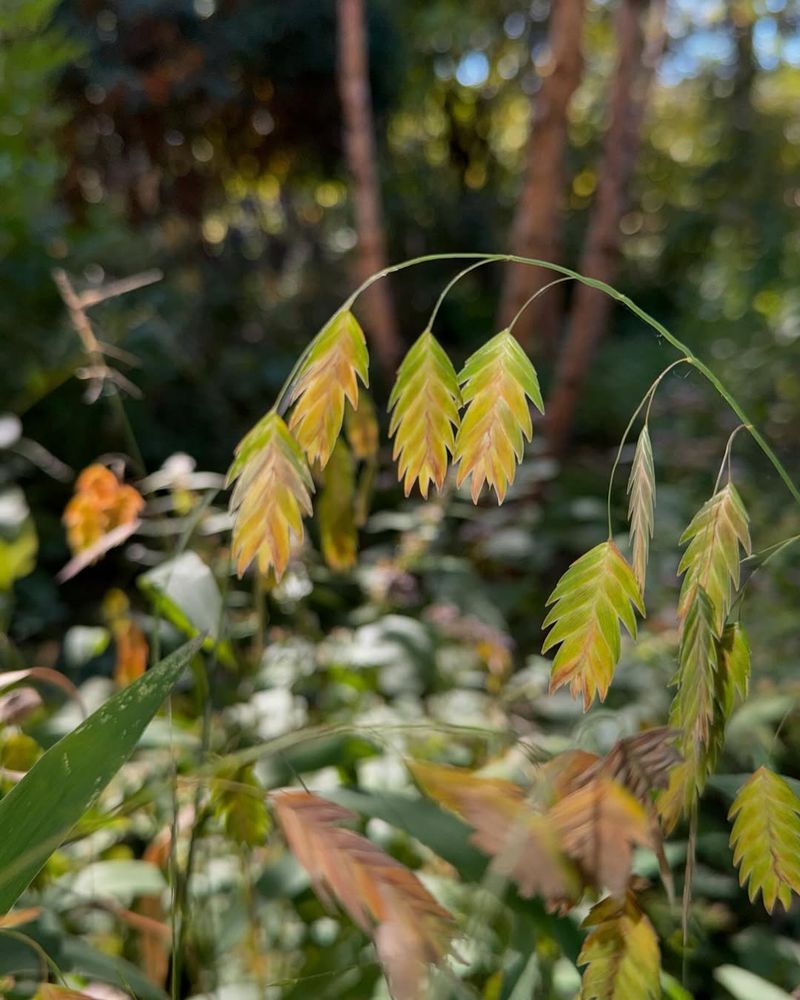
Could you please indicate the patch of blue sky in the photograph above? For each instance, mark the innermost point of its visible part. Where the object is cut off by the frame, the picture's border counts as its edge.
(473, 69)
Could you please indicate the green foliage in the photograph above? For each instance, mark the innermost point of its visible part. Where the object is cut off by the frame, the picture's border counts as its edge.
(766, 838)
(338, 534)
(39, 812)
(240, 803)
(211, 147)
(18, 540)
(596, 593)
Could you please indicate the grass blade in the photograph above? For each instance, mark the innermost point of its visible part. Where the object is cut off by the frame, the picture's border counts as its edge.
(38, 813)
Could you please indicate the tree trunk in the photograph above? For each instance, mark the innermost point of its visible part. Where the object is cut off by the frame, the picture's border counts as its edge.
(359, 145)
(536, 230)
(591, 308)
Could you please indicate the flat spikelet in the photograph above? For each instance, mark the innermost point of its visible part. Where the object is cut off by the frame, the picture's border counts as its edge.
(641, 505)
(733, 665)
(521, 841)
(361, 428)
(496, 383)
(384, 898)
(598, 826)
(621, 953)
(338, 534)
(596, 593)
(695, 711)
(336, 361)
(271, 497)
(640, 763)
(711, 560)
(424, 405)
(766, 838)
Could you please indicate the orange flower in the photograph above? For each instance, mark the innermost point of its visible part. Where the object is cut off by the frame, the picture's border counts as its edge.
(100, 504)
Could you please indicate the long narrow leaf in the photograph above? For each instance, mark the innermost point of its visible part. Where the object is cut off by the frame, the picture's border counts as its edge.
(38, 813)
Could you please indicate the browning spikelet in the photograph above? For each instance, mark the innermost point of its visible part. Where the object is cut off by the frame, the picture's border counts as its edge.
(336, 360)
(271, 497)
(424, 405)
(381, 896)
(596, 593)
(497, 381)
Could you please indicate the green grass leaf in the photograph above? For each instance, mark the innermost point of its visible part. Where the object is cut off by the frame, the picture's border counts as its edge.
(744, 985)
(39, 812)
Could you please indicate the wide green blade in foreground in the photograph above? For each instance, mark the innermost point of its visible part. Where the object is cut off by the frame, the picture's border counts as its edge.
(38, 813)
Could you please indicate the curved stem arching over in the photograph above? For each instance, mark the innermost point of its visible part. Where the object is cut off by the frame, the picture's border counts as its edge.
(602, 286)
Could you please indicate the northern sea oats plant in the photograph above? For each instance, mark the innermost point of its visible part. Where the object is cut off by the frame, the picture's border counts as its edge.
(570, 836)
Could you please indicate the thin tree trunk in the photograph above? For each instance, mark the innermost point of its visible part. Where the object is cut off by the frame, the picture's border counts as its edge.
(359, 145)
(536, 230)
(591, 309)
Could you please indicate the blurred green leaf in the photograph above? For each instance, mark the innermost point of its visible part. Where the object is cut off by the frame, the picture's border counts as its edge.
(123, 879)
(79, 956)
(744, 985)
(42, 808)
(83, 643)
(185, 592)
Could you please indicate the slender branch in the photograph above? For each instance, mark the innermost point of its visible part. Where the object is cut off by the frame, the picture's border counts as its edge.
(629, 304)
(92, 296)
(532, 298)
(689, 355)
(449, 285)
(726, 456)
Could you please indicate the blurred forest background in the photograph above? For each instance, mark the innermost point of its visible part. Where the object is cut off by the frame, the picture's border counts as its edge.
(247, 151)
